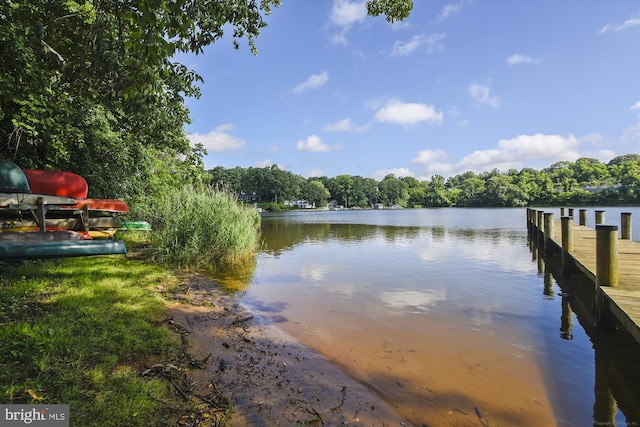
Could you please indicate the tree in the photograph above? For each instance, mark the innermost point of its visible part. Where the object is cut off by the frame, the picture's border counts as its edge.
(394, 10)
(436, 194)
(315, 192)
(394, 191)
(90, 86)
(589, 171)
(626, 157)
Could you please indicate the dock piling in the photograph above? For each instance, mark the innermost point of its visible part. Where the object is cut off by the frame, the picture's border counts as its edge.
(599, 217)
(548, 230)
(567, 241)
(606, 255)
(625, 223)
(583, 216)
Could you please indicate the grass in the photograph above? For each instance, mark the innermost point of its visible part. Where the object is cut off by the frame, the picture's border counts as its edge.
(199, 227)
(81, 331)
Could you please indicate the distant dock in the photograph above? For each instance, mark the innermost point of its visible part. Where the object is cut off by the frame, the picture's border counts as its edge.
(611, 260)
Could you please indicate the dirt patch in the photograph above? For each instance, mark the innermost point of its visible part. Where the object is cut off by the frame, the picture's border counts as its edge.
(270, 379)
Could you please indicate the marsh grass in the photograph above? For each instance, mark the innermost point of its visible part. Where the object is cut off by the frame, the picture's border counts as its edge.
(79, 331)
(199, 227)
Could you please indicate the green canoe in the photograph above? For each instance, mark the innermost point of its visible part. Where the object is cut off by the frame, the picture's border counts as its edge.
(59, 249)
(136, 225)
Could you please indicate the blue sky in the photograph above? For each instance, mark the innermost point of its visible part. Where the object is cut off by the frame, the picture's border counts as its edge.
(460, 85)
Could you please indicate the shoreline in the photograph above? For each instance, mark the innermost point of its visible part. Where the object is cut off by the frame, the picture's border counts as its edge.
(270, 378)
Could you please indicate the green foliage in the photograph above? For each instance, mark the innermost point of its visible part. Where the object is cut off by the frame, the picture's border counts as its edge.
(90, 87)
(315, 192)
(198, 227)
(585, 181)
(394, 10)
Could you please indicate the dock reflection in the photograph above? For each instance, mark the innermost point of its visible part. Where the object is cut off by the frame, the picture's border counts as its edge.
(617, 354)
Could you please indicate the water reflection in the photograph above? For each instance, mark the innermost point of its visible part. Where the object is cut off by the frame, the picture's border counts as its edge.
(412, 301)
(455, 305)
(616, 354)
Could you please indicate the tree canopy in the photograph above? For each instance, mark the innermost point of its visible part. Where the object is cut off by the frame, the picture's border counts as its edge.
(91, 86)
(585, 181)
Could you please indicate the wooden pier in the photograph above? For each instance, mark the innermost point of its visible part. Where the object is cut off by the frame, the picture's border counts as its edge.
(618, 288)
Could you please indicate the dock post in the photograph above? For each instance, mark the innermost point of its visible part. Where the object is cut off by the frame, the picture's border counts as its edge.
(548, 230)
(583, 216)
(599, 217)
(534, 224)
(606, 255)
(570, 211)
(567, 242)
(563, 212)
(625, 222)
(541, 229)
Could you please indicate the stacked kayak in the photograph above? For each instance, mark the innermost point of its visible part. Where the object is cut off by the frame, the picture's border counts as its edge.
(46, 214)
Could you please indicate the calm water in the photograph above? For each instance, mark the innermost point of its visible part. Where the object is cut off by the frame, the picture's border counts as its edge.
(449, 314)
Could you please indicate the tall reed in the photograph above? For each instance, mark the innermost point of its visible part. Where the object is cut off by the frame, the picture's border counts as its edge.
(195, 226)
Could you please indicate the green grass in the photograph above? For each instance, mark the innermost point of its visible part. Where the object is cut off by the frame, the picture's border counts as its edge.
(199, 227)
(80, 331)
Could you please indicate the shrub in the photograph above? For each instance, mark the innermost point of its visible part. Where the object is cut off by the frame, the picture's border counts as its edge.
(198, 227)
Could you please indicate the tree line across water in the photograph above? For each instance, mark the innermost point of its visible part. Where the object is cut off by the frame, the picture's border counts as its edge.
(586, 181)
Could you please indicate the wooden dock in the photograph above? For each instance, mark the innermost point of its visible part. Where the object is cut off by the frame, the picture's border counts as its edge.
(622, 302)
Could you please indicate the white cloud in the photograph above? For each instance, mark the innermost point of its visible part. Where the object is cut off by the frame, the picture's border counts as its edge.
(421, 300)
(344, 125)
(433, 43)
(482, 94)
(398, 172)
(636, 106)
(314, 143)
(313, 82)
(217, 140)
(315, 273)
(620, 27)
(511, 153)
(426, 157)
(519, 58)
(345, 13)
(447, 11)
(407, 114)
(263, 163)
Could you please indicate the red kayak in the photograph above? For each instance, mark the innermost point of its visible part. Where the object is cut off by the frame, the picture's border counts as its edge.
(57, 183)
(69, 184)
(103, 205)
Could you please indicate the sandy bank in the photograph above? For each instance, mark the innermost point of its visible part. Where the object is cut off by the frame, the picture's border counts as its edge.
(270, 378)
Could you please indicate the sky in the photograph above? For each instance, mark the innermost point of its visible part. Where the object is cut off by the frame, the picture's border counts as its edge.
(459, 85)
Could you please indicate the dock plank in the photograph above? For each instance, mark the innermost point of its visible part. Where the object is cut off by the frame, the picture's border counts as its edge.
(625, 298)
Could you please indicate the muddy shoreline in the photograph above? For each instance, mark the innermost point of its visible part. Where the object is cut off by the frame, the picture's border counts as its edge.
(271, 379)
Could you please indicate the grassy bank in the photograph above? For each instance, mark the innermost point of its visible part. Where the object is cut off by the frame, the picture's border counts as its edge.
(89, 332)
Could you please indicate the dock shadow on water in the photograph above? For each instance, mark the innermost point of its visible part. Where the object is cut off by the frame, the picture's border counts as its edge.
(616, 354)
(448, 314)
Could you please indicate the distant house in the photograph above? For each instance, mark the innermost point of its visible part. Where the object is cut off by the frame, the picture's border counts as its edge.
(378, 206)
(301, 204)
(334, 206)
(247, 197)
